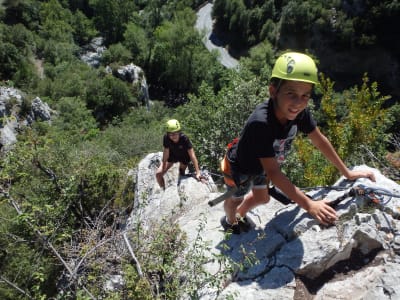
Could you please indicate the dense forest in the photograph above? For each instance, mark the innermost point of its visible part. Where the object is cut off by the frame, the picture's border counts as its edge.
(64, 189)
(348, 37)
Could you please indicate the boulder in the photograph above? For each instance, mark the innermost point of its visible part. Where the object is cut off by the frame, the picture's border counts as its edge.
(292, 255)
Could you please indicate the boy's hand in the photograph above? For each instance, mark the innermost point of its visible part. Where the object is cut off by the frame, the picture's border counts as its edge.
(353, 175)
(322, 212)
(198, 176)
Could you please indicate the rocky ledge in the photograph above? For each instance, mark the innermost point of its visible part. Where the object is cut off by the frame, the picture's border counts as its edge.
(288, 255)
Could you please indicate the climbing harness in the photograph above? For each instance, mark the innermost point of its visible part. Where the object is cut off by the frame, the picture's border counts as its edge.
(225, 165)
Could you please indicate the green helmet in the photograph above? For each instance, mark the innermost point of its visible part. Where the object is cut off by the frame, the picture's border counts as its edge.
(295, 66)
(172, 126)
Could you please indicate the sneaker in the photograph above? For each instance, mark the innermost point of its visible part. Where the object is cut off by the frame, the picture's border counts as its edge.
(245, 224)
(235, 229)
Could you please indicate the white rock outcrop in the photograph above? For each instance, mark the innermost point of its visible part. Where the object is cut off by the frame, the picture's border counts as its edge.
(357, 258)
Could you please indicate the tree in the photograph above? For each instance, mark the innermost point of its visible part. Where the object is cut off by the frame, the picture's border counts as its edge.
(109, 97)
(24, 12)
(83, 28)
(56, 22)
(117, 54)
(137, 42)
(260, 60)
(355, 123)
(174, 54)
(111, 17)
(212, 121)
(17, 45)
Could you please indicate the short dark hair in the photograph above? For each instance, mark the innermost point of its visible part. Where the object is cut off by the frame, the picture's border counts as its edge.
(276, 82)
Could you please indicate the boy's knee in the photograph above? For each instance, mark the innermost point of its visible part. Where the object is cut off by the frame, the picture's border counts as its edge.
(266, 199)
(261, 196)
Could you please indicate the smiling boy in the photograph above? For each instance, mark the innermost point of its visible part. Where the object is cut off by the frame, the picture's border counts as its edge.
(177, 148)
(266, 138)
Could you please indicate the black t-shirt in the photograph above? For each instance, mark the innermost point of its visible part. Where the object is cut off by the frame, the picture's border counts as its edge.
(263, 136)
(178, 151)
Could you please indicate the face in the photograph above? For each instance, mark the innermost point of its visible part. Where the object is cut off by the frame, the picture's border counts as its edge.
(291, 98)
(174, 136)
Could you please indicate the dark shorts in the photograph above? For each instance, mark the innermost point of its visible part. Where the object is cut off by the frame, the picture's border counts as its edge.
(248, 182)
(184, 160)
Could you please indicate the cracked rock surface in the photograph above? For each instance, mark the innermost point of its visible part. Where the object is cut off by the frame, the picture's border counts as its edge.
(288, 255)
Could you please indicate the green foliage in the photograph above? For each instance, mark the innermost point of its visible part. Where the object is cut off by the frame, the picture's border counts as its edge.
(66, 79)
(245, 23)
(212, 121)
(126, 138)
(58, 52)
(65, 183)
(83, 28)
(16, 47)
(315, 25)
(364, 122)
(137, 42)
(298, 16)
(354, 121)
(59, 186)
(268, 31)
(173, 269)
(174, 55)
(9, 59)
(56, 22)
(108, 97)
(137, 287)
(117, 54)
(110, 17)
(24, 12)
(74, 119)
(260, 60)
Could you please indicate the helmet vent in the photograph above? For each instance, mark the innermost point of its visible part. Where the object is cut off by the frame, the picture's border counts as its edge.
(295, 66)
(290, 66)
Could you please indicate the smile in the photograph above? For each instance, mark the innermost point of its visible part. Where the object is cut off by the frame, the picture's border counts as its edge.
(294, 111)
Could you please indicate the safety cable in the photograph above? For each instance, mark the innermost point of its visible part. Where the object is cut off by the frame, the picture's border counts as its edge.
(376, 195)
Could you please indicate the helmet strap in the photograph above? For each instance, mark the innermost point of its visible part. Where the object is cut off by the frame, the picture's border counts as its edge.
(278, 86)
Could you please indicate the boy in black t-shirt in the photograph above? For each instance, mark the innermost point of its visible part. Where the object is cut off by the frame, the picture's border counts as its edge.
(266, 138)
(177, 148)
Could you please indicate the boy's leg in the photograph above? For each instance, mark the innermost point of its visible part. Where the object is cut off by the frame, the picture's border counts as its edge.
(182, 168)
(160, 174)
(230, 206)
(256, 197)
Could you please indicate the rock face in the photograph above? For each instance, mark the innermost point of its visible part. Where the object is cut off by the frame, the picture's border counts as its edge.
(292, 256)
(135, 75)
(11, 101)
(181, 193)
(93, 52)
(92, 55)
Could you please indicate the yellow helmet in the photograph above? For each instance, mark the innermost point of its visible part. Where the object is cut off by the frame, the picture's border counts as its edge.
(295, 66)
(172, 126)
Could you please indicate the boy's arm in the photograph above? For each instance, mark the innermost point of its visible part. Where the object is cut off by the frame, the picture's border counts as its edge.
(320, 210)
(321, 142)
(165, 159)
(193, 158)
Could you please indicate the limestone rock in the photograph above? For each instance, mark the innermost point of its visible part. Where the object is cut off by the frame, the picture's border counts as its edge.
(287, 244)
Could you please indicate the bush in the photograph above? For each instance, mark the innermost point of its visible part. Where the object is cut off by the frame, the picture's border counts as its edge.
(354, 121)
(212, 121)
